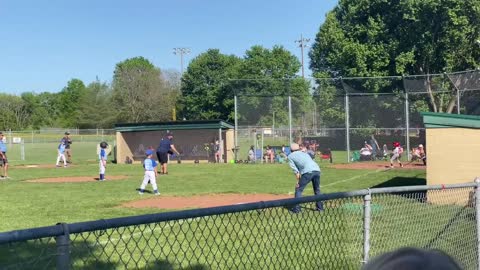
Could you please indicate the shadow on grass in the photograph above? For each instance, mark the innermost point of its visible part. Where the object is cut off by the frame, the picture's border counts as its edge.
(402, 181)
(165, 265)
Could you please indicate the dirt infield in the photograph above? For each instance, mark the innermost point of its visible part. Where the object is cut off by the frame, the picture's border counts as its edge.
(75, 179)
(200, 201)
(378, 165)
(39, 166)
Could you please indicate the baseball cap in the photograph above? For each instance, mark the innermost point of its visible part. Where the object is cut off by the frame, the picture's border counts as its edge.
(294, 146)
(420, 145)
(169, 134)
(148, 152)
(67, 133)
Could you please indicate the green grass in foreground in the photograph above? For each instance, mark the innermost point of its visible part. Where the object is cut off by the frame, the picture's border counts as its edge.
(272, 239)
(26, 204)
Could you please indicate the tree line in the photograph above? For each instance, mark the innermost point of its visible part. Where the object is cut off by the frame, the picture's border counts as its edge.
(358, 39)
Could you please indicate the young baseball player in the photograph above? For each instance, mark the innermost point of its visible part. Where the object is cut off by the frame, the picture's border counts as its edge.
(397, 151)
(3, 156)
(61, 154)
(102, 156)
(150, 167)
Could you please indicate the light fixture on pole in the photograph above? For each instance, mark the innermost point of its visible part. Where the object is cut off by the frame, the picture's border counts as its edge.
(181, 51)
(302, 43)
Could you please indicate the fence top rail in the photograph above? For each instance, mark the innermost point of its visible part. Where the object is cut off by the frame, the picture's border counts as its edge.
(103, 224)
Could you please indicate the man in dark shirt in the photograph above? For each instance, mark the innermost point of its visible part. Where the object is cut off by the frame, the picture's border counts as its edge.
(68, 141)
(164, 148)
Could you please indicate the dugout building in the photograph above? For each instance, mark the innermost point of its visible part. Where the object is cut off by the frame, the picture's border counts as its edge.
(452, 147)
(193, 139)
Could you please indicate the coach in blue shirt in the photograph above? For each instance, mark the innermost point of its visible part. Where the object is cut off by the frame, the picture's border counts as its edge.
(164, 148)
(306, 170)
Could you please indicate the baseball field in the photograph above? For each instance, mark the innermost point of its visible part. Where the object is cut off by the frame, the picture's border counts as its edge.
(30, 199)
(39, 194)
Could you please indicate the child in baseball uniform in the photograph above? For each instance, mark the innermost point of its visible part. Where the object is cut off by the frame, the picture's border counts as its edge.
(397, 151)
(61, 154)
(102, 156)
(150, 167)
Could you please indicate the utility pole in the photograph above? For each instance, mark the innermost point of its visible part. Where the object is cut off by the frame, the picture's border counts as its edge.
(302, 43)
(181, 51)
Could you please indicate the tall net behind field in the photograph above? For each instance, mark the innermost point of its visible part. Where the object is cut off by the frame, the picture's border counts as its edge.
(315, 110)
(468, 85)
(377, 107)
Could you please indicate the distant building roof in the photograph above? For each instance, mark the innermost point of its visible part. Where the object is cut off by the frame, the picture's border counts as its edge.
(448, 120)
(176, 125)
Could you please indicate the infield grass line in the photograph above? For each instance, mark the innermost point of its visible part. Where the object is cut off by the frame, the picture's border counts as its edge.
(354, 177)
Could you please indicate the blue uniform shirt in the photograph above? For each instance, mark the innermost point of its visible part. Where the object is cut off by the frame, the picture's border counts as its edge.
(103, 154)
(149, 164)
(302, 163)
(3, 146)
(61, 148)
(164, 146)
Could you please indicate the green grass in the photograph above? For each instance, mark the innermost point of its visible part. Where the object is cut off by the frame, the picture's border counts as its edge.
(267, 239)
(26, 204)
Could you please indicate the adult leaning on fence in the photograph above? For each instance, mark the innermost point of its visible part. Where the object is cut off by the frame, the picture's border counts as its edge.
(306, 170)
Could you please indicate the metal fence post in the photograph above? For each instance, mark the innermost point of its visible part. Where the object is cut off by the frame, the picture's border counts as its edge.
(366, 226)
(290, 119)
(477, 216)
(22, 149)
(407, 125)
(347, 126)
(63, 248)
(235, 102)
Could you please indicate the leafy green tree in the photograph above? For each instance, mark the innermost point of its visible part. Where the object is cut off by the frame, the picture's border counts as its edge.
(384, 38)
(139, 92)
(266, 78)
(96, 107)
(38, 114)
(70, 101)
(13, 112)
(206, 89)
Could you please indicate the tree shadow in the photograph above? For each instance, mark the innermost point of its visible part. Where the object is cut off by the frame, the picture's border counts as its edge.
(166, 265)
(420, 196)
(402, 181)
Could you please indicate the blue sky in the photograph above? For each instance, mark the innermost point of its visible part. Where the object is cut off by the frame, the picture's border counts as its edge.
(45, 43)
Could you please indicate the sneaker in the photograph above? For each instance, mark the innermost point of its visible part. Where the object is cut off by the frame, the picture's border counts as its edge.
(58, 166)
(140, 192)
(65, 166)
(401, 165)
(156, 193)
(391, 166)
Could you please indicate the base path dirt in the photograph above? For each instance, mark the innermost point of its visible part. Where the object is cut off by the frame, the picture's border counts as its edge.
(75, 179)
(201, 201)
(378, 165)
(38, 166)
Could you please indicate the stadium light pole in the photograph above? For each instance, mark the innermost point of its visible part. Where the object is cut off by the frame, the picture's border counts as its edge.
(181, 51)
(302, 43)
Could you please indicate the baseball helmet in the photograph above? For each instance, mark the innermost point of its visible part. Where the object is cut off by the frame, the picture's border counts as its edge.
(103, 144)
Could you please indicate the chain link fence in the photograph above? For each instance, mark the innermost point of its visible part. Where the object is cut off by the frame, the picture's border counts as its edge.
(354, 227)
(340, 114)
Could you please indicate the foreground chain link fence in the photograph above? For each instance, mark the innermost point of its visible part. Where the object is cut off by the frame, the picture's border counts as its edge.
(354, 227)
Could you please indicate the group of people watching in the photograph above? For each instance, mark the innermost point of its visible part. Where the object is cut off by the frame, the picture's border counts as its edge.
(372, 151)
(269, 154)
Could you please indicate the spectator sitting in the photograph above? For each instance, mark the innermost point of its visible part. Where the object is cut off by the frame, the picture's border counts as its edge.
(366, 152)
(419, 154)
(269, 155)
(251, 154)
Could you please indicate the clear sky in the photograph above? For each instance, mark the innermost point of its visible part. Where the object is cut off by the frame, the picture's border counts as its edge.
(45, 43)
